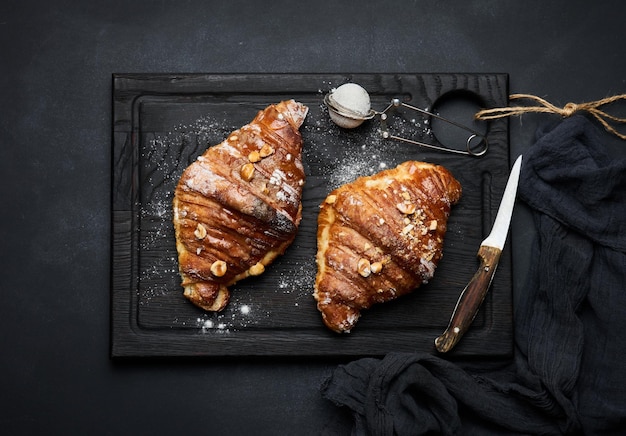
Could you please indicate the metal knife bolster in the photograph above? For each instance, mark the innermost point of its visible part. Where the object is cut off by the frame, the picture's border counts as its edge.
(470, 299)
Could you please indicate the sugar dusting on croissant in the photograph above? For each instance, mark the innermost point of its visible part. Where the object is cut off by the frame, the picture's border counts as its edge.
(238, 206)
(380, 237)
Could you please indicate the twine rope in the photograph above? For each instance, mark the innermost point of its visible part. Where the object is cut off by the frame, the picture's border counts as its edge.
(592, 107)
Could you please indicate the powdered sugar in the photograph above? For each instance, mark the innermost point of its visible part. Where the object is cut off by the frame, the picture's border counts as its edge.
(163, 158)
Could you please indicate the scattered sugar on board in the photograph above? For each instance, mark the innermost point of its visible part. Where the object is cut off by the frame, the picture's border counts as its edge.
(298, 281)
(163, 158)
(359, 152)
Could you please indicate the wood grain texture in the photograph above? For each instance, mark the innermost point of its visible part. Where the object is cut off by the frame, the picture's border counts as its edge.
(161, 123)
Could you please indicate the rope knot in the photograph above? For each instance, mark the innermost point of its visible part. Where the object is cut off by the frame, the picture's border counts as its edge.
(569, 109)
(544, 106)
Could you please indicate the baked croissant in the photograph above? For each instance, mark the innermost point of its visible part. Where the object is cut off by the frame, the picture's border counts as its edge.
(238, 206)
(380, 237)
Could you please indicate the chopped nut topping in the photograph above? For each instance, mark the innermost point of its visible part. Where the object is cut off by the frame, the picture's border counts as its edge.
(432, 225)
(233, 138)
(405, 195)
(376, 267)
(406, 208)
(266, 151)
(247, 171)
(200, 231)
(331, 199)
(256, 269)
(219, 267)
(367, 246)
(407, 229)
(363, 267)
(254, 156)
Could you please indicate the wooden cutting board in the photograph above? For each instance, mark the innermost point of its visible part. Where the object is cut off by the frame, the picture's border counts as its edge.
(161, 123)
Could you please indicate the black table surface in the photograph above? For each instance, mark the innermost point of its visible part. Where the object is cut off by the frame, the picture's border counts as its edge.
(56, 63)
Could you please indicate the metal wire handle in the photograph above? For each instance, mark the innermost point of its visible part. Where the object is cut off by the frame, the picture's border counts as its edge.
(469, 150)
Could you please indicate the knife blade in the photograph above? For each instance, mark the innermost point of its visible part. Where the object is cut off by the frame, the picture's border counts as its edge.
(472, 296)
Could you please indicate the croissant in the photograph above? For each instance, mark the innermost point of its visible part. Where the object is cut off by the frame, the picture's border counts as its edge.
(379, 238)
(238, 206)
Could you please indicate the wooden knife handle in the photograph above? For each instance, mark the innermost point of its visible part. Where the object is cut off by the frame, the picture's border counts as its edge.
(470, 299)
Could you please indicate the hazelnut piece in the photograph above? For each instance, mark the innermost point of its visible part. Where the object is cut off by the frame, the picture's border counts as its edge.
(200, 231)
(256, 269)
(254, 156)
(407, 229)
(376, 267)
(218, 268)
(364, 267)
(247, 172)
(432, 225)
(266, 151)
(406, 208)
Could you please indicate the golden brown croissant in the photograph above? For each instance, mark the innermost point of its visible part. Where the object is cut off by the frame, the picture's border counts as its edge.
(238, 206)
(380, 237)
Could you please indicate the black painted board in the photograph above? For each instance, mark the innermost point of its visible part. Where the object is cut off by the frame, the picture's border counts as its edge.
(162, 122)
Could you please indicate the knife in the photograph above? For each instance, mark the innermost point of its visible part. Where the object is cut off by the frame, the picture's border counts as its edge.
(489, 254)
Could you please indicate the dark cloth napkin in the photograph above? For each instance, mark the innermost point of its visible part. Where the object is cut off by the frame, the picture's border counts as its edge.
(568, 375)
